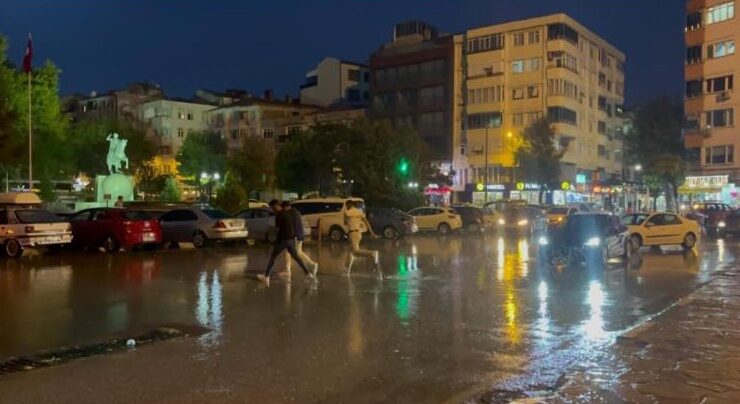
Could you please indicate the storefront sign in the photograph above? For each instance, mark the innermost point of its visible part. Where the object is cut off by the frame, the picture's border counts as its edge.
(565, 185)
(580, 178)
(709, 181)
(491, 187)
(527, 186)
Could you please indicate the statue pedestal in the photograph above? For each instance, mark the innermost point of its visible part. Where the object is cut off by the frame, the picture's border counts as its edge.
(110, 187)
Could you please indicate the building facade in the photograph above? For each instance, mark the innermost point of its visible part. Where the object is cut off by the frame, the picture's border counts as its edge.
(509, 75)
(336, 82)
(710, 102)
(117, 104)
(412, 84)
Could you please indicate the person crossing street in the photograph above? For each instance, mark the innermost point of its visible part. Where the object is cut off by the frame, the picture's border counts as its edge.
(357, 224)
(300, 236)
(286, 241)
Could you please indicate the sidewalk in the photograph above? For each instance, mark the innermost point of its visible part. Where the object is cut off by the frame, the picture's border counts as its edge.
(690, 353)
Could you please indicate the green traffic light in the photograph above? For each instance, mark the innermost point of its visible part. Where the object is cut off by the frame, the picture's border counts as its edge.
(403, 166)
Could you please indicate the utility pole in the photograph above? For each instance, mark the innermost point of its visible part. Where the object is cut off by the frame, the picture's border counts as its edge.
(485, 185)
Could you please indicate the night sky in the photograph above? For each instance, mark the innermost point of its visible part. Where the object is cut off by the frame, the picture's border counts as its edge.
(261, 44)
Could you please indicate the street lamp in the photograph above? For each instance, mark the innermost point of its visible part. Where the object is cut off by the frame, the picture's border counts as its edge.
(208, 179)
(638, 167)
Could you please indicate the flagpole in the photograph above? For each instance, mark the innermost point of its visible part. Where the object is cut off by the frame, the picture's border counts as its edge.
(30, 137)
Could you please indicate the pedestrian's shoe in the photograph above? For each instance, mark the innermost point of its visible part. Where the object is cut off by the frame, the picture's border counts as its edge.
(264, 279)
(314, 269)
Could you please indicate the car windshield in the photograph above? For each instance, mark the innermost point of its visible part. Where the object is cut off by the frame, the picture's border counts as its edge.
(511, 212)
(136, 215)
(590, 224)
(37, 216)
(557, 211)
(216, 214)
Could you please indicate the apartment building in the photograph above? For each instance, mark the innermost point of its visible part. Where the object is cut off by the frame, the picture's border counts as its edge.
(710, 101)
(116, 104)
(412, 85)
(336, 82)
(509, 75)
(168, 123)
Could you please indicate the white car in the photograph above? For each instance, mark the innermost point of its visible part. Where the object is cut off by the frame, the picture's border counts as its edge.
(661, 228)
(328, 214)
(200, 226)
(433, 218)
(261, 224)
(24, 224)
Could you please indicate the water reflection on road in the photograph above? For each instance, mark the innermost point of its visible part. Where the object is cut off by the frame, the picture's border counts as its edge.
(452, 314)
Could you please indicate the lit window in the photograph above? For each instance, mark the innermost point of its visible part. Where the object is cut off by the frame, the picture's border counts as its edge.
(534, 37)
(518, 39)
(268, 133)
(724, 154)
(721, 12)
(721, 49)
(517, 66)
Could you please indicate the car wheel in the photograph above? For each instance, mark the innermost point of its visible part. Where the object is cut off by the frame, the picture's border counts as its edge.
(444, 229)
(474, 228)
(110, 245)
(199, 240)
(689, 241)
(390, 233)
(336, 234)
(13, 248)
(635, 242)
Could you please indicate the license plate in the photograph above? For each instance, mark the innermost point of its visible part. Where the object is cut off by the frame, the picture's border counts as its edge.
(148, 237)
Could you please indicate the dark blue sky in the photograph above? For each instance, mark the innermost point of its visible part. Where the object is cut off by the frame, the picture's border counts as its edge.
(259, 44)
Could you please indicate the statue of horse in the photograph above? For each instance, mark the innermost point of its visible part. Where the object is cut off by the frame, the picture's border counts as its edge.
(116, 154)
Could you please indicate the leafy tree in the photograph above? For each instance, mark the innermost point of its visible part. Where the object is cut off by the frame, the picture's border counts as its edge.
(537, 157)
(46, 189)
(231, 197)
(170, 192)
(90, 146)
(655, 142)
(252, 167)
(202, 152)
(9, 146)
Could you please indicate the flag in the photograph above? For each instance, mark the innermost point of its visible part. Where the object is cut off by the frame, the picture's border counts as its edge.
(28, 57)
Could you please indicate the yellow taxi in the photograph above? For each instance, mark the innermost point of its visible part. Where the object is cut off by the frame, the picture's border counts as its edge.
(661, 228)
(556, 215)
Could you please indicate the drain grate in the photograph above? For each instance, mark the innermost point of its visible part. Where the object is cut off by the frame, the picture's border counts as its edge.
(64, 355)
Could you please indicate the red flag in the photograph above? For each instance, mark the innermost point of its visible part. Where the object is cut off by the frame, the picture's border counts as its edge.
(28, 57)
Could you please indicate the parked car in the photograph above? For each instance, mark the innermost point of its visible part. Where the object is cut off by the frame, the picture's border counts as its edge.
(200, 226)
(439, 219)
(256, 203)
(391, 223)
(113, 229)
(522, 219)
(661, 228)
(261, 224)
(472, 217)
(556, 215)
(24, 224)
(732, 223)
(715, 214)
(593, 238)
(327, 212)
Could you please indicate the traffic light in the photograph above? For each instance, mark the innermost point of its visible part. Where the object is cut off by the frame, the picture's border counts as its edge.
(403, 166)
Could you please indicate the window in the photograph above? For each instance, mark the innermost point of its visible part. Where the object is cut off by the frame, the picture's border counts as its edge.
(353, 75)
(601, 127)
(525, 65)
(563, 59)
(562, 87)
(485, 43)
(721, 12)
(180, 215)
(234, 134)
(366, 77)
(533, 37)
(432, 96)
(518, 39)
(664, 220)
(720, 49)
(693, 21)
(561, 114)
(180, 132)
(293, 130)
(517, 119)
(719, 117)
(517, 93)
(602, 79)
(190, 116)
(484, 119)
(562, 31)
(719, 84)
(719, 154)
(693, 54)
(533, 91)
(353, 95)
(485, 95)
(268, 133)
(309, 208)
(602, 103)
(517, 66)
(691, 121)
(693, 88)
(180, 115)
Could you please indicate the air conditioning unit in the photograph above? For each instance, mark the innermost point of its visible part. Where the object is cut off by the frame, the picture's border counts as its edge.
(723, 96)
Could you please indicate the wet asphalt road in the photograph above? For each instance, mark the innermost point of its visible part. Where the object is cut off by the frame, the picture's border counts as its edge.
(452, 318)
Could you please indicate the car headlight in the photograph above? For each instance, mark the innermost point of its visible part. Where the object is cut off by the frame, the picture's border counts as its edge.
(560, 219)
(522, 222)
(721, 224)
(502, 222)
(593, 242)
(542, 240)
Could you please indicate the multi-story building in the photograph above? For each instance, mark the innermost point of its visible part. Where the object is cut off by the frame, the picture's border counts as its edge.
(336, 82)
(511, 74)
(412, 84)
(117, 104)
(168, 123)
(711, 63)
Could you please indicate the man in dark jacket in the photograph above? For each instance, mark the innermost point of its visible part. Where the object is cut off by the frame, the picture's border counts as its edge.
(286, 241)
(300, 236)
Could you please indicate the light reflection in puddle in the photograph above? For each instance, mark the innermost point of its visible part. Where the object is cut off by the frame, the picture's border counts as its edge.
(593, 327)
(208, 311)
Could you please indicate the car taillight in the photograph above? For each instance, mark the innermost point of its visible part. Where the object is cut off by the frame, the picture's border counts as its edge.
(30, 229)
(219, 225)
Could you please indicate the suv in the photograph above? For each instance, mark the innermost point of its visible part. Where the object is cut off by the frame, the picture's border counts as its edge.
(593, 238)
(326, 215)
(391, 222)
(433, 218)
(23, 224)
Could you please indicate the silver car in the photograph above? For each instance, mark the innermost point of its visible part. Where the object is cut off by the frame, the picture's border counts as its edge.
(261, 224)
(199, 226)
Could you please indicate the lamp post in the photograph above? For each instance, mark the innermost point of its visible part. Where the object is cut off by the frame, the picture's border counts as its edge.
(209, 179)
(638, 169)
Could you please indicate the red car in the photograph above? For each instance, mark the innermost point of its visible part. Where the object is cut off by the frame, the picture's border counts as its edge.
(114, 229)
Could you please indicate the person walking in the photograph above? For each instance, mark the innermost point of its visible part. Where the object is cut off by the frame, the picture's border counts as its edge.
(300, 234)
(357, 224)
(286, 241)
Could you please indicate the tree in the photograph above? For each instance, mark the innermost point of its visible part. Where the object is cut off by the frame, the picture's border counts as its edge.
(90, 146)
(202, 152)
(46, 189)
(537, 157)
(252, 167)
(655, 142)
(170, 192)
(231, 197)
